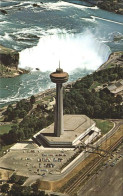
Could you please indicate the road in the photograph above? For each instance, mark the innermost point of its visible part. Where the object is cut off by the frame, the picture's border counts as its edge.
(108, 181)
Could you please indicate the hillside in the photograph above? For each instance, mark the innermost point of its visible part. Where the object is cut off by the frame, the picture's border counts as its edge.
(115, 59)
(100, 94)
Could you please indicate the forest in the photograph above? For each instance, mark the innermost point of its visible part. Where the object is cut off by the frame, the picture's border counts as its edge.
(17, 190)
(83, 99)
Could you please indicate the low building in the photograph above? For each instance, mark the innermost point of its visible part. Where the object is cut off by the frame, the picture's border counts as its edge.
(76, 128)
(116, 88)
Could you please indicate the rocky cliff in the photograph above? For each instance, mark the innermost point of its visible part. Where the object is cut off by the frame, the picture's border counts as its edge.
(109, 5)
(112, 6)
(9, 60)
(9, 57)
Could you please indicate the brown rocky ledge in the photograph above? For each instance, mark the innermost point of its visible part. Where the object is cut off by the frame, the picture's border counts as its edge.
(9, 60)
(115, 6)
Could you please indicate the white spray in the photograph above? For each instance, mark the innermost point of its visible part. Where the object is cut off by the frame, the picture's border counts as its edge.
(73, 50)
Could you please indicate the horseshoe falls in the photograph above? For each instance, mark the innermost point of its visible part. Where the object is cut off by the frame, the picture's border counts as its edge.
(73, 51)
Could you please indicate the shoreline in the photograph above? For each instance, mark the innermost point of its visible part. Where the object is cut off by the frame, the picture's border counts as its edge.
(17, 72)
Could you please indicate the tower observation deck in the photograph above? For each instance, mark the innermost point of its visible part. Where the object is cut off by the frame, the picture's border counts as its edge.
(59, 77)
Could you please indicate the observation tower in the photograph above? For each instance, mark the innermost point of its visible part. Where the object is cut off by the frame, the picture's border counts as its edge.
(59, 77)
(76, 127)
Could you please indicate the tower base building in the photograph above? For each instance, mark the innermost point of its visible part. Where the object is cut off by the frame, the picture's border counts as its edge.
(77, 129)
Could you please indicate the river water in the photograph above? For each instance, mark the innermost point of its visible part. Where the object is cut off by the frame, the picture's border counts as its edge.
(77, 34)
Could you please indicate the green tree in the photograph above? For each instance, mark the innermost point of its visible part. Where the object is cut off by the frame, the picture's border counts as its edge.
(118, 99)
(32, 99)
(9, 108)
(16, 190)
(5, 188)
(16, 112)
(97, 110)
(35, 186)
(22, 114)
(42, 193)
(26, 191)
(20, 135)
(14, 128)
(90, 110)
(13, 136)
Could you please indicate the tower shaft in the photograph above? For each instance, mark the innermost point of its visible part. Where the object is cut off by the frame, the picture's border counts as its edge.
(58, 128)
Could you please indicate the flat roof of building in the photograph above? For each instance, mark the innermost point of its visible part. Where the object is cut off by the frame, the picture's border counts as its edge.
(74, 126)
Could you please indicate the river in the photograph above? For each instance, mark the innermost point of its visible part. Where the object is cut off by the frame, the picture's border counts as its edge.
(45, 32)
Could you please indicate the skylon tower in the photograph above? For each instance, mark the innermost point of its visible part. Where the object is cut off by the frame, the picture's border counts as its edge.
(59, 77)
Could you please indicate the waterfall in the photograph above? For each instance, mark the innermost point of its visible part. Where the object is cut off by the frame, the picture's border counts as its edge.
(72, 50)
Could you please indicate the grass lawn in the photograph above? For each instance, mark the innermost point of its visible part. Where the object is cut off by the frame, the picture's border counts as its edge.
(5, 128)
(4, 148)
(104, 125)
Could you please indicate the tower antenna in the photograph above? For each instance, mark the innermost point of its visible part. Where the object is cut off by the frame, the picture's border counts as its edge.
(59, 64)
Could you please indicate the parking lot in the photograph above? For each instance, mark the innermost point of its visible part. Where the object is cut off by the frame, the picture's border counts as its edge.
(36, 162)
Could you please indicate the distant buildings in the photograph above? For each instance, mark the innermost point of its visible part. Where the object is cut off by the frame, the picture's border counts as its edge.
(115, 87)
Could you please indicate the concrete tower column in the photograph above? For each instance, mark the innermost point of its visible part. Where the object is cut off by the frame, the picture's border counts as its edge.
(58, 128)
(59, 77)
